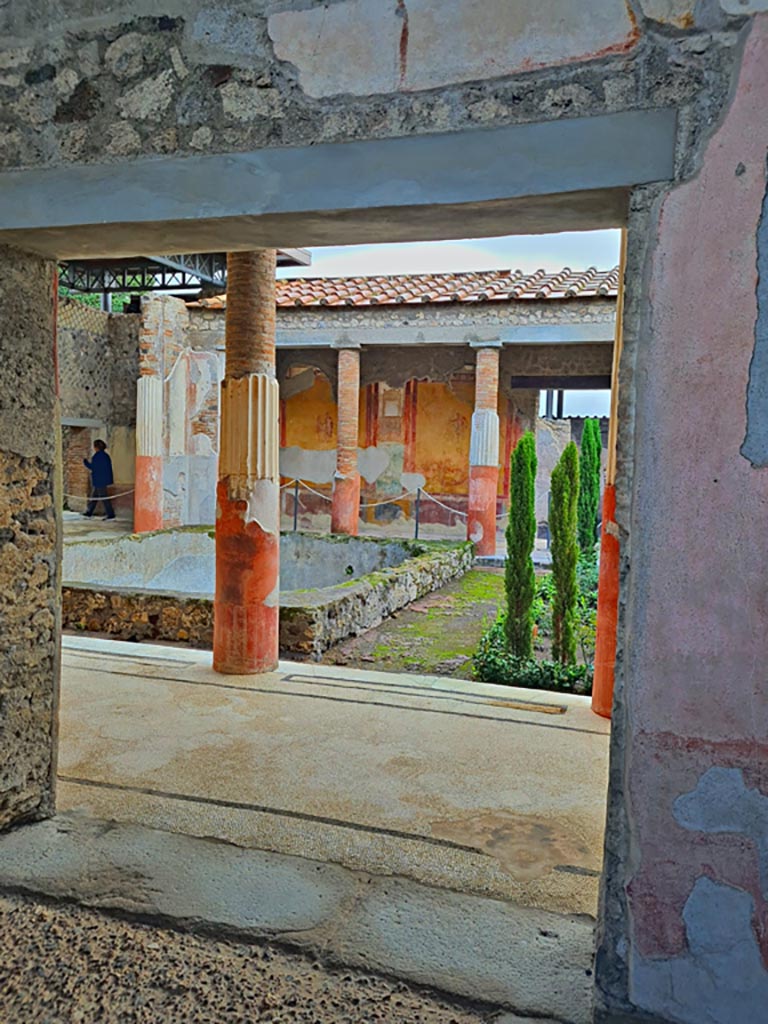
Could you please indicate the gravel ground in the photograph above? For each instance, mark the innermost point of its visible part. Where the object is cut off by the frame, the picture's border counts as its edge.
(66, 965)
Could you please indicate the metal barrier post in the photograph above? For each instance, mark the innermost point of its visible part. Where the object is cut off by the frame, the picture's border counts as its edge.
(418, 510)
(295, 505)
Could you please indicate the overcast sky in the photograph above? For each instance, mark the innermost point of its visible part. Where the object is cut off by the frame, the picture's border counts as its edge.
(577, 250)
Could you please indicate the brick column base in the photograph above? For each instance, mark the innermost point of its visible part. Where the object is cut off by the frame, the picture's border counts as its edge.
(481, 520)
(246, 608)
(345, 507)
(148, 494)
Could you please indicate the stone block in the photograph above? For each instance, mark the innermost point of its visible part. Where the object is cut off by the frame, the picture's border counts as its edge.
(365, 47)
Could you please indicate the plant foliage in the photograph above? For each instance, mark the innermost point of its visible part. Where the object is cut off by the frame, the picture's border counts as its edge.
(493, 662)
(564, 487)
(519, 577)
(589, 490)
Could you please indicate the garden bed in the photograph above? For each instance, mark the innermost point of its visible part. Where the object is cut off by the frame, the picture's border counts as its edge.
(132, 587)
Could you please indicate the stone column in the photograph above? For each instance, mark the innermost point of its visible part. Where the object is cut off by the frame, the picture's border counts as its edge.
(345, 509)
(484, 452)
(246, 606)
(30, 537)
(148, 488)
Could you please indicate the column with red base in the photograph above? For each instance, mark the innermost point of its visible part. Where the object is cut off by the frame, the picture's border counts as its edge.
(484, 452)
(246, 605)
(345, 507)
(608, 579)
(148, 487)
(607, 607)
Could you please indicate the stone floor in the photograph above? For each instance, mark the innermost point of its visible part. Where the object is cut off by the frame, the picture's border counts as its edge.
(457, 784)
(67, 964)
(318, 845)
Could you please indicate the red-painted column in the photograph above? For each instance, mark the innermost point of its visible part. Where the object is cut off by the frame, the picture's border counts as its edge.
(607, 607)
(246, 605)
(608, 580)
(484, 453)
(148, 487)
(345, 509)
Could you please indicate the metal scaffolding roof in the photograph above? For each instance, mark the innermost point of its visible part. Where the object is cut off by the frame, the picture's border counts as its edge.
(160, 273)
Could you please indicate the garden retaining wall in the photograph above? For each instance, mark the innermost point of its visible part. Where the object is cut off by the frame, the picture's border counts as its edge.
(311, 621)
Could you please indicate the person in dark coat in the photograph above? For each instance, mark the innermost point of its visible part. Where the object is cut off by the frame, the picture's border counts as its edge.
(100, 466)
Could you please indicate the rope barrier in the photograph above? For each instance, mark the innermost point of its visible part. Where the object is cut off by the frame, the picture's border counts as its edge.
(442, 504)
(109, 497)
(368, 504)
(312, 490)
(388, 501)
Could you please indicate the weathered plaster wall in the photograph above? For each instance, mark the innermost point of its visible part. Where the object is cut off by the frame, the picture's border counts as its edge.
(98, 363)
(417, 400)
(85, 377)
(190, 410)
(127, 81)
(123, 335)
(98, 366)
(552, 436)
(685, 929)
(29, 538)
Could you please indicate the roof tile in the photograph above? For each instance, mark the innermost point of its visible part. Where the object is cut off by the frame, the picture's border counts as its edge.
(406, 289)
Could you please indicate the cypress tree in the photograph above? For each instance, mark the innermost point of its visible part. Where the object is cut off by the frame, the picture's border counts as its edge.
(519, 577)
(589, 490)
(565, 553)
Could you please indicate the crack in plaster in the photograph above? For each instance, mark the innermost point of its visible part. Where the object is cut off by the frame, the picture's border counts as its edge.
(755, 446)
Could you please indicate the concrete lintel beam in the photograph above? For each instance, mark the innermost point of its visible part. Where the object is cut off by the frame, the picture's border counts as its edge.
(412, 336)
(554, 175)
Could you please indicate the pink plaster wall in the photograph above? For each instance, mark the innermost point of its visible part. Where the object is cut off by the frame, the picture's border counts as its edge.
(696, 666)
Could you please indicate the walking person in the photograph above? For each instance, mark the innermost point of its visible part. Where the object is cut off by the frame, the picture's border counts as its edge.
(100, 466)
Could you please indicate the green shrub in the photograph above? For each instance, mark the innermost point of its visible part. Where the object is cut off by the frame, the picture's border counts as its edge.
(587, 572)
(519, 576)
(564, 488)
(589, 490)
(586, 606)
(542, 604)
(493, 662)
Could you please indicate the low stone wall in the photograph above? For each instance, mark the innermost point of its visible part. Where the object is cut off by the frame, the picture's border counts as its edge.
(311, 621)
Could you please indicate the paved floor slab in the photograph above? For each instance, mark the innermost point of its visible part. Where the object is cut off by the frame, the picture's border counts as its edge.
(481, 789)
(65, 964)
(531, 962)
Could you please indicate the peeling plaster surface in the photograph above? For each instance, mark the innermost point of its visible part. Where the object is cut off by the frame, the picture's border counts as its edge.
(411, 481)
(721, 979)
(743, 7)
(264, 506)
(318, 466)
(372, 462)
(672, 12)
(697, 596)
(722, 802)
(315, 466)
(363, 47)
(755, 447)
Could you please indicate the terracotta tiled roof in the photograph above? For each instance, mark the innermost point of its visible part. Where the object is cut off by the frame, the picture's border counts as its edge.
(412, 289)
